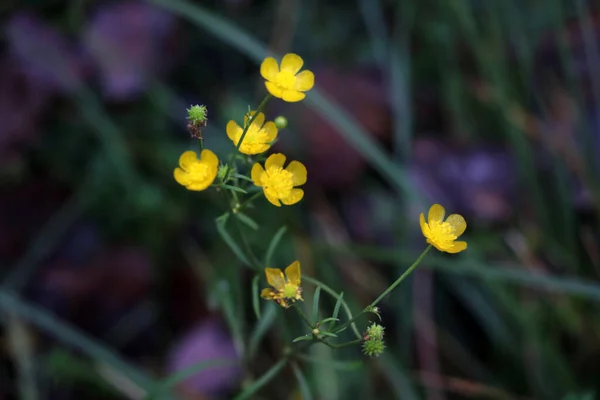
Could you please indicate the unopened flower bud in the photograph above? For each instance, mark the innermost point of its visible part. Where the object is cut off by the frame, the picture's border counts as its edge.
(281, 122)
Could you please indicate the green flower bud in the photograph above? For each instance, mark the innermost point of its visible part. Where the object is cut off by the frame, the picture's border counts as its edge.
(198, 115)
(280, 122)
(373, 347)
(375, 331)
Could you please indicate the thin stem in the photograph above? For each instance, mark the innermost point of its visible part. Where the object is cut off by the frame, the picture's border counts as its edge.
(250, 199)
(301, 313)
(401, 278)
(261, 106)
(339, 346)
(385, 293)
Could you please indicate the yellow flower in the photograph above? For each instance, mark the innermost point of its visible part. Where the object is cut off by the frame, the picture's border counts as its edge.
(197, 174)
(286, 83)
(278, 183)
(442, 234)
(258, 137)
(286, 289)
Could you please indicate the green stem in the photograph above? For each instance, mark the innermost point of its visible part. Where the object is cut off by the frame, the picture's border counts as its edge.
(339, 346)
(200, 145)
(400, 279)
(301, 313)
(386, 292)
(250, 199)
(261, 106)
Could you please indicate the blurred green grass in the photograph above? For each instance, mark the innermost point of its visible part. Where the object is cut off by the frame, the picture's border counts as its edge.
(524, 327)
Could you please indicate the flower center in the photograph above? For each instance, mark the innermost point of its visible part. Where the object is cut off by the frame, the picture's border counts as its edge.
(199, 171)
(278, 182)
(285, 80)
(442, 231)
(289, 291)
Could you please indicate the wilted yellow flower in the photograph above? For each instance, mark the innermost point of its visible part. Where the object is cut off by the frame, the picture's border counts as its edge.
(258, 137)
(197, 174)
(442, 234)
(278, 183)
(286, 83)
(286, 289)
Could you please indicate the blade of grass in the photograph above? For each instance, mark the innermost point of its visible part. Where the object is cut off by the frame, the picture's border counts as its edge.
(255, 296)
(72, 338)
(261, 329)
(302, 383)
(171, 381)
(315, 304)
(235, 248)
(273, 245)
(255, 386)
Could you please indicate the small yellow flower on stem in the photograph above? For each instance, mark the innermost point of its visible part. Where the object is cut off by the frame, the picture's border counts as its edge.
(286, 290)
(443, 234)
(258, 137)
(197, 174)
(278, 183)
(286, 83)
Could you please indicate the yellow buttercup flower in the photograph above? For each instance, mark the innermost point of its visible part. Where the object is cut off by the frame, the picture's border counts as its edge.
(442, 234)
(286, 289)
(286, 83)
(279, 184)
(258, 137)
(197, 174)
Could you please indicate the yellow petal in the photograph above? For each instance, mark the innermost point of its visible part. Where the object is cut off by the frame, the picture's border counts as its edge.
(436, 213)
(182, 177)
(210, 159)
(269, 69)
(257, 173)
(458, 223)
(275, 90)
(257, 121)
(298, 171)
(292, 272)
(275, 278)
(271, 131)
(199, 186)
(272, 199)
(295, 196)
(275, 160)
(291, 62)
(305, 80)
(234, 131)
(267, 294)
(187, 159)
(424, 226)
(292, 96)
(457, 247)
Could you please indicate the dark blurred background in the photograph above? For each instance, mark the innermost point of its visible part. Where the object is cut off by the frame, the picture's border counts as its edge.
(113, 277)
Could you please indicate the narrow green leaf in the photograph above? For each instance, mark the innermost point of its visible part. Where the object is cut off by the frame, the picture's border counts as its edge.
(255, 296)
(325, 333)
(324, 321)
(273, 245)
(171, 381)
(244, 177)
(247, 220)
(221, 223)
(302, 383)
(261, 328)
(336, 310)
(262, 381)
(234, 189)
(301, 338)
(315, 305)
